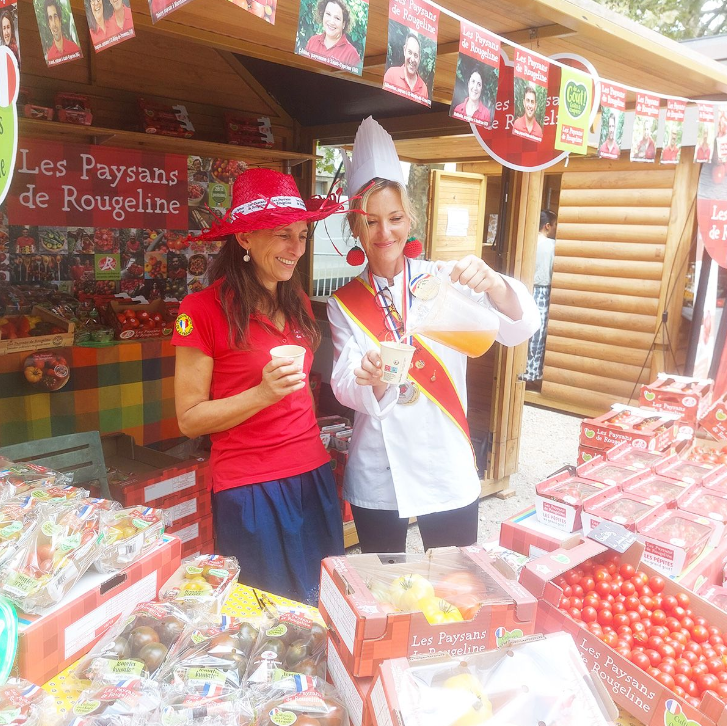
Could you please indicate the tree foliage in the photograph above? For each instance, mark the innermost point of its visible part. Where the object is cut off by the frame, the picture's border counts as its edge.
(677, 19)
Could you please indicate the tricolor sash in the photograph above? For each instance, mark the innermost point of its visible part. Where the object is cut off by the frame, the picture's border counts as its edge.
(357, 300)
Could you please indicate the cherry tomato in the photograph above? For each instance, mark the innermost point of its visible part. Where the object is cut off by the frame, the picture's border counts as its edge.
(658, 617)
(707, 682)
(699, 633)
(657, 583)
(575, 613)
(129, 313)
(653, 656)
(666, 679)
(666, 651)
(605, 617)
(143, 315)
(667, 668)
(655, 642)
(683, 599)
(620, 620)
(668, 603)
(628, 588)
(589, 614)
(681, 679)
(722, 691)
(627, 571)
(640, 660)
(632, 603)
(603, 588)
(690, 657)
(673, 624)
(715, 665)
(699, 669)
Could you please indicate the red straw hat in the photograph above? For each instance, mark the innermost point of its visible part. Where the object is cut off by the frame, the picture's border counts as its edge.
(265, 199)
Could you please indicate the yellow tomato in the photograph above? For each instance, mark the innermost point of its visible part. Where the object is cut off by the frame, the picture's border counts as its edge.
(438, 611)
(406, 591)
(480, 709)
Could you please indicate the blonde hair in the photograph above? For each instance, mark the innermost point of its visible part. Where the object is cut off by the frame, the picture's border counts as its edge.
(357, 221)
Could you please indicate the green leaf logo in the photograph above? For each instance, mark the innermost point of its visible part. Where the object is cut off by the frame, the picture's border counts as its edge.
(589, 433)
(576, 98)
(649, 395)
(587, 457)
(720, 415)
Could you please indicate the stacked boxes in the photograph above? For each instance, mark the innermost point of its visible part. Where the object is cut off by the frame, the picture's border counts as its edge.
(336, 434)
(688, 397)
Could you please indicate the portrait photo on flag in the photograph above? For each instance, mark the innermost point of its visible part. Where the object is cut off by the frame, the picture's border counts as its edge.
(646, 123)
(671, 148)
(613, 114)
(705, 133)
(57, 28)
(530, 88)
(411, 54)
(9, 28)
(333, 32)
(478, 75)
(109, 22)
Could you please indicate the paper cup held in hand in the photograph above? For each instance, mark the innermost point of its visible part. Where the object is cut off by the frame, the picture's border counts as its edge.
(295, 352)
(395, 361)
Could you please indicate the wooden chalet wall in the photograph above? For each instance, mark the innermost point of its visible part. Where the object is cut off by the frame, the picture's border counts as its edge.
(207, 81)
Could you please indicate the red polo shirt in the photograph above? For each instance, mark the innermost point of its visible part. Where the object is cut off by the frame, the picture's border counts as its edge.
(69, 48)
(342, 51)
(281, 440)
(521, 125)
(396, 76)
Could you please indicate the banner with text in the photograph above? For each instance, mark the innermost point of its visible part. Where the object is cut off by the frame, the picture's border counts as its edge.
(712, 212)
(574, 110)
(613, 114)
(530, 89)
(478, 72)
(646, 121)
(60, 185)
(671, 147)
(412, 49)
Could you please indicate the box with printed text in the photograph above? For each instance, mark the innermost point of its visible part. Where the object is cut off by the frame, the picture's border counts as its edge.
(642, 427)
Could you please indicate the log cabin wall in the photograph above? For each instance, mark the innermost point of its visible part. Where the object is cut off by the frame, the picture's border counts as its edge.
(207, 81)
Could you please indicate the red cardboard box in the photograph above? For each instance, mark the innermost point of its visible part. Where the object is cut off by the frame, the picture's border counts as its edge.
(715, 594)
(634, 458)
(370, 633)
(353, 691)
(612, 505)
(165, 119)
(523, 533)
(183, 509)
(707, 569)
(194, 535)
(247, 131)
(560, 498)
(73, 108)
(714, 421)
(51, 642)
(674, 539)
(632, 689)
(587, 453)
(688, 397)
(152, 309)
(643, 428)
(513, 686)
(149, 477)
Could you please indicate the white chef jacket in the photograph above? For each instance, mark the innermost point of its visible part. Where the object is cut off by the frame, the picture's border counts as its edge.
(411, 457)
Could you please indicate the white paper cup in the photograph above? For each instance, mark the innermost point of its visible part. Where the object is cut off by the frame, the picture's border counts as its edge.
(395, 361)
(295, 352)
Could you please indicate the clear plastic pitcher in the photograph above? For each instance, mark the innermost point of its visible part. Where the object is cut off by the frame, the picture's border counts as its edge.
(439, 311)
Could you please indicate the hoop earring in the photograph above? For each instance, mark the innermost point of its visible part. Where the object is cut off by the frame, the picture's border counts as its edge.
(246, 258)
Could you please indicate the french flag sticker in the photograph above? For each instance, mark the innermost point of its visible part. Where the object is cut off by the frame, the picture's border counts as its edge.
(500, 632)
(672, 706)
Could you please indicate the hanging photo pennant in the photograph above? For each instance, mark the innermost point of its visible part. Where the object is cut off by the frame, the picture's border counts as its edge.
(613, 113)
(671, 150)
(531, 91)
(9, 28)
(57, 29)
(646, 121)
(333, 32)
(574, 110)
(478, 73)
(720, 111)
(705, 133)
(264, 9)
(109, 24)
(412, 49)
(159, 9)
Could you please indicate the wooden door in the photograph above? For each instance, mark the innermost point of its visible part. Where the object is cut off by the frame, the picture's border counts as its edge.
(457, 215)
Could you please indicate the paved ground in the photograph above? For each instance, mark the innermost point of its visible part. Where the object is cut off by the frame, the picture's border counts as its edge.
(549, 440)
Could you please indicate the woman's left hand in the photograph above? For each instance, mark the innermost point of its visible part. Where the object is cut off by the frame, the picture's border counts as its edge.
(476, 274)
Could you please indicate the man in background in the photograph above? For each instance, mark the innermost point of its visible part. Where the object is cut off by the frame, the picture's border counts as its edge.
(544, 256)
(406, 77)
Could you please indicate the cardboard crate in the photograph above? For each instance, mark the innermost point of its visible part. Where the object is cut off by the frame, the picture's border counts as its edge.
(371, 634)
(643, 428)
(353, 691)
(183, 509)
(153, 476)
(193, 536)
(410, 692)
(688, 397)
(631, 688)
(587, 453)
(40, 342)
(559, 499)
(612, 505)
(674, 539)
(51, 642)
(707, 570)
(525, 534)
(714, 420)
(156, 307)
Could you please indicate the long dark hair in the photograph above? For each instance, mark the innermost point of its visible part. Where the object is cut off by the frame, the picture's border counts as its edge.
(242, 294)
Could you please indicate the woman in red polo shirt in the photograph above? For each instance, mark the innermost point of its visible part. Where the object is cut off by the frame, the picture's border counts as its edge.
(333, 44)
(274, 498)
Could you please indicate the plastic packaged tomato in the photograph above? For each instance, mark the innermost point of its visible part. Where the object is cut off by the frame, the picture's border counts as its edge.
(24, 476)
(290, 642)
(137, 645)
(210, 656)
(180, 708)
(307, 700)
(56, 494)
(25, 704)
(204, 582)
(59, 550)
(16, 526)
(124, 701)
(127, 535)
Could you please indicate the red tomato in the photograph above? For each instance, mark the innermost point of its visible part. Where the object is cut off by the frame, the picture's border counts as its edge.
(618, 607)
(605, 617)
(576, 602)
(699, 633)
(589, 615)
(722, 691)
(699, 669)
(669, 603)
(578, 591)
(157, 318)
(683, 599)
(667, 651)
(667, 668)
(657, 583)
(673, 624)
(627, 571)
(690, 657)
(628, 589)
(121, 317)
(688, 623)
(640, 660)
(666, 679)
(610, 639)
(588, 584)
(653, 656)
(647, 602)
(143, 315)
(658, 617)
(575, 613)
(707, 682)
(681, 679)
(603, 588)
(564, 603)
(595, 628)
(620, 620)
(129, 313)
(655, 642)
(632, 603)
(633, 616)
(715, 665)
(601, 574)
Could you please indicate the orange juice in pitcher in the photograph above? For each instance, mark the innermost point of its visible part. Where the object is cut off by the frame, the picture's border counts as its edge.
(442, 313)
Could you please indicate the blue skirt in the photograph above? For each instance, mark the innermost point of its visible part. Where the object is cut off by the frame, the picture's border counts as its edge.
(280, 530)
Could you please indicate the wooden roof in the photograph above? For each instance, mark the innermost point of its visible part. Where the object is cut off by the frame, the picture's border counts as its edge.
(619, 49)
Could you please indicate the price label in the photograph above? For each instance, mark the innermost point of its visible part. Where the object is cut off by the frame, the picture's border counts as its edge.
(613, 536)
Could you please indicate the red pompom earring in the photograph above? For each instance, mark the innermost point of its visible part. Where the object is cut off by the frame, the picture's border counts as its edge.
(412, 248)
(355, 256)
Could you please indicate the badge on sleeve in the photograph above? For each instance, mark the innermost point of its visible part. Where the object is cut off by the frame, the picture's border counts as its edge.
(184, 325)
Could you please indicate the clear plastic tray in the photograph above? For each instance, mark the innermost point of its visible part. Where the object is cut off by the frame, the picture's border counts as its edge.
(707, 505)
(657, 488)
(624, 510)
(609, 474)
(573, 491)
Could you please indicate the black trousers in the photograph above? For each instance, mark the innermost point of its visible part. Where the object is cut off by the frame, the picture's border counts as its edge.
(383, 530)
